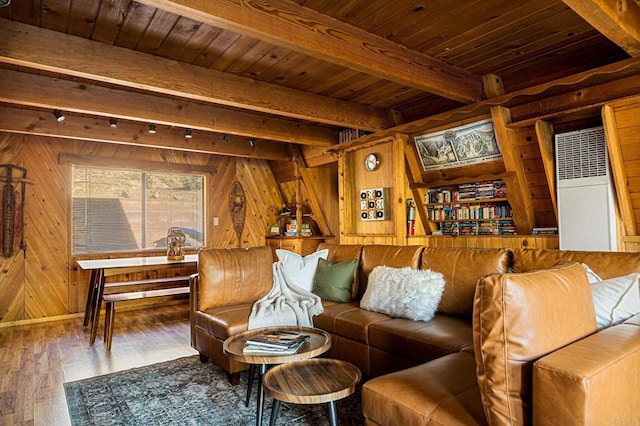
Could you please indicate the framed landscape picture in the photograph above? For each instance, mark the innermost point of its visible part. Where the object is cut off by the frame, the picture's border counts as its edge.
(469, 144)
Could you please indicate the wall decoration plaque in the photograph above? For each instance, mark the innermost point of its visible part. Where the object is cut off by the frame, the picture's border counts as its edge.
(237, 208)
(464, 145)
(373, 204)
(12, 235)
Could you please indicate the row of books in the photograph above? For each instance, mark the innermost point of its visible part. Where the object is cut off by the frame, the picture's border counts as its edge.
(347, 135)
(483, 190)
(461, 211)
(291, 229)
(468, 191)
(275, 343)
(498, 227)
(551, 230)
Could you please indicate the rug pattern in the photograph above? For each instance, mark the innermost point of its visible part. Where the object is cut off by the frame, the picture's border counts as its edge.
(185, 392)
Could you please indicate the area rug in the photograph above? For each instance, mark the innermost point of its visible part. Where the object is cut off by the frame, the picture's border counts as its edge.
(185, 392)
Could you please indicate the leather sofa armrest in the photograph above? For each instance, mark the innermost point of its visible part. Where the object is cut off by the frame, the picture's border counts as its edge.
(194, 287)
(592, 381)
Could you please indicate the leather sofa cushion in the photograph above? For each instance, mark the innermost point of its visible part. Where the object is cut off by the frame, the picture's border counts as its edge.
(392, 256)
(421, 341)
(441, 392)
(224, 321)
(234, 276)
(519, 318)
(340, 253)
(461, 268)
(594, 381)
(348, 320)
(605, 264)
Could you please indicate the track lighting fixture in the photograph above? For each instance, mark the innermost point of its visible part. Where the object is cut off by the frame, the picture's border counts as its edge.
(225, 137)
(152, 128)
(58, 115)
(252, 142)
(187, 133)
(113, 123)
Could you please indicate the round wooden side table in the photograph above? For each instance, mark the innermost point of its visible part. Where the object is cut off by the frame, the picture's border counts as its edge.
(318, 343)
(312, 381)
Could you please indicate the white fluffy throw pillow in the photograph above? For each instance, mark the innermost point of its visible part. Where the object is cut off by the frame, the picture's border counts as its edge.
(403, 292)
(300, 270)
(616, 299)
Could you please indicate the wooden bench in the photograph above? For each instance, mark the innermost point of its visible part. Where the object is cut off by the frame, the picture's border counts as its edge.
(111, 299)
(181, 279)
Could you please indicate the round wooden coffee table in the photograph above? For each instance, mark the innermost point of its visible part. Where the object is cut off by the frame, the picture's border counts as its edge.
(318, 343)
(312, 381)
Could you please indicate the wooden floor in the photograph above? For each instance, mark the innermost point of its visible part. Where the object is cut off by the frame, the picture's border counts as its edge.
(35, 360)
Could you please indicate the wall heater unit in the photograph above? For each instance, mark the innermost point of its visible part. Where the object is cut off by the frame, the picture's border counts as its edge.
(586, 212)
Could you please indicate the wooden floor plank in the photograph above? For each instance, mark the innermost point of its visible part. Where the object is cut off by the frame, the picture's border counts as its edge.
(40, 358)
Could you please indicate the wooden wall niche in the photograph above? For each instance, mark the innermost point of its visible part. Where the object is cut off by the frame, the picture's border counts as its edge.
(354, 177)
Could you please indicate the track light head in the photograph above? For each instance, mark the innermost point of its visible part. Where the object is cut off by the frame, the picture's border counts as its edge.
(152, 128)
(58, 115)
(225, 137)
(252, 142)
(113, 123)
(187, 133)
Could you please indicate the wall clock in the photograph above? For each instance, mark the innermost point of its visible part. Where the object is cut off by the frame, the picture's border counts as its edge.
(371, 162)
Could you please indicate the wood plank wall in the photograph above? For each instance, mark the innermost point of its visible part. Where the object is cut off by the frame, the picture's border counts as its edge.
(45, 282)
(623, 129)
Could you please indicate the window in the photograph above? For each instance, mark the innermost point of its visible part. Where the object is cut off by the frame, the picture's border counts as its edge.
(129, 210)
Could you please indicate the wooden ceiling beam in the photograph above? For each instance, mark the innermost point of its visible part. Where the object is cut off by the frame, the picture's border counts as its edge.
(42, 49)
(78, 127)
(285, 23)
(46, 92)
(618, 20)
(617, 77)
(526, 114)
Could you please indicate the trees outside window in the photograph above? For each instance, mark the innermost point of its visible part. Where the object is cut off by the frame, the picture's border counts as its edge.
(129, 210)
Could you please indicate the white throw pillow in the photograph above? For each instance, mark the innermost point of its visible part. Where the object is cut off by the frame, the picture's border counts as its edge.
(300, 270)
(403, 292)
(591, 276)
(616, 299)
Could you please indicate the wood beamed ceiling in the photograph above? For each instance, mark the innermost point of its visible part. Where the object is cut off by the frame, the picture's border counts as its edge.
(284, 72)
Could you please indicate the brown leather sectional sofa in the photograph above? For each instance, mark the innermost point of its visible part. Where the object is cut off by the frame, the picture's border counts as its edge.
(474, 362)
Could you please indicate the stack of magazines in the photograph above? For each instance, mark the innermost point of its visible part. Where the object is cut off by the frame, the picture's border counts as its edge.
(275, 343)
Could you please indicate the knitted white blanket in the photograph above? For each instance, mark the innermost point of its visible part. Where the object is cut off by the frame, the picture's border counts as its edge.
(286, 304)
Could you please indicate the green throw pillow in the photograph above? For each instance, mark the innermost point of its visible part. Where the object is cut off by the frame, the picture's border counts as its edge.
(333, 281)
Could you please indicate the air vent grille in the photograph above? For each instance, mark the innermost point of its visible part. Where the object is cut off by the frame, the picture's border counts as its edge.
(581, 154)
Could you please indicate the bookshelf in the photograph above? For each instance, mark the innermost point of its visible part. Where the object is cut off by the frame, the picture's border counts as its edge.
(477, 208)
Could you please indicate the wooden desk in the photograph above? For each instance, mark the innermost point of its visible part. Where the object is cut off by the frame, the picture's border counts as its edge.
(319, 342)
(103, 268)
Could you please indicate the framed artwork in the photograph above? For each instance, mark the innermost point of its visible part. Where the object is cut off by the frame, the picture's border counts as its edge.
(373, 204)
(469, 144)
